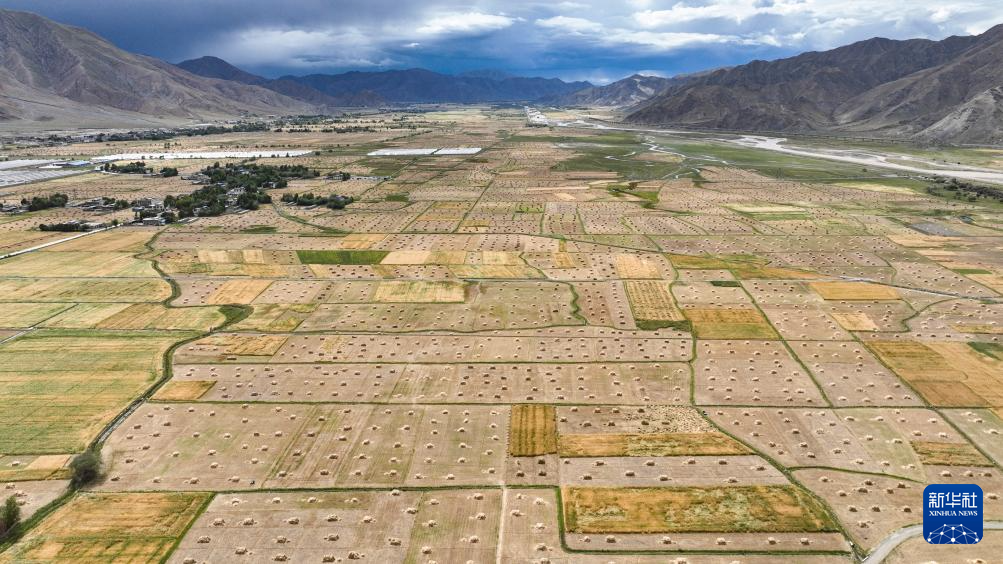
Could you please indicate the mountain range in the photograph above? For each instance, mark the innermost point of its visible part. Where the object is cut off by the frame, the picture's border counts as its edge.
(357, 88)
(214, 67)
(945, 90)
(941, 91)
(59, 75)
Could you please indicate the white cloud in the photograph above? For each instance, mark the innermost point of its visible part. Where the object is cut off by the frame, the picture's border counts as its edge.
(299, 48)
(570, 24)
(470, 23)
(663, 41)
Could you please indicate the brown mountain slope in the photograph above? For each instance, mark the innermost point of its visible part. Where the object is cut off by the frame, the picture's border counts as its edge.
(625, 92)
(48, 68)
(979, 120)
(915, 102)
(878, 86)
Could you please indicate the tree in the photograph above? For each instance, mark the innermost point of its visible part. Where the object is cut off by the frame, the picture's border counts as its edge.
(86, 467)
(10, 515)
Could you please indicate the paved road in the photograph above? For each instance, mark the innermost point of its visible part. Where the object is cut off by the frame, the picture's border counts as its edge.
(900, 536)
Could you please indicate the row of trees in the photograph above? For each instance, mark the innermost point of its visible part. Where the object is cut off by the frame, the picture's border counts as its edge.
(39, 203)
(333, 201)
(10, 516)
(974, 191)
(119, 203)
(138, 167)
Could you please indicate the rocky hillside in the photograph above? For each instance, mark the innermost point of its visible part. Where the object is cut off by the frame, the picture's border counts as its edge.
(51, 72)
(626, 92)
(922, 88)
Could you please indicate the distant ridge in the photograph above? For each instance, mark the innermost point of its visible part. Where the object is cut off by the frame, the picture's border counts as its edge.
(930, 90)
(425, 86)
(356, 88)
(214, 67)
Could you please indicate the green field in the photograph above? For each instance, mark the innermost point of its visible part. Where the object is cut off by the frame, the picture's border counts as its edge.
(59, 387)
(341, 257)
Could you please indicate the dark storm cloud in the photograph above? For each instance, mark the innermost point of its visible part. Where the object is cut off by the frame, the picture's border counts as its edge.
(588, 39)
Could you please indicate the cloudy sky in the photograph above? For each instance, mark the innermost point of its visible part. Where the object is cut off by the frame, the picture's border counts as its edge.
(577, 39)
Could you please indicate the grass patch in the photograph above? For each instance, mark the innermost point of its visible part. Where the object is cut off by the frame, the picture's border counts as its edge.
(726, 283)
(790, 216)
(341, 257)
(260, 229)
(621, 138)
(655, 324)
(737, 509)
(994, 350)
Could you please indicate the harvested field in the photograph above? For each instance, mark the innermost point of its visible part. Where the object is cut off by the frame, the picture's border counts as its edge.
(532, 430)
(237, 292)
(244, 345)
(630, 266)
(716, 510)
(33, 495)
(945, 374)
(949, 454)
(419, 291)
(22, 315)
(275, 317)
(653, 444)
(855, 321)
(532, 534)
(110, 528)
(728, 323)
(575, 328)
(982, 427)
(137, 316)
(343, 526)
(183, 390)
(77, 264)
(93, 290)
(652, 304)
(854, 291)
